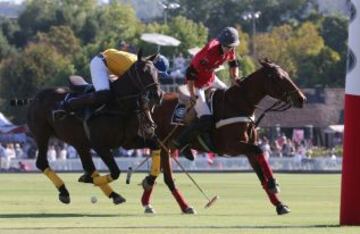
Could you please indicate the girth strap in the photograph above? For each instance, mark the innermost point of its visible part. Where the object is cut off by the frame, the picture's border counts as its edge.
(241, 119)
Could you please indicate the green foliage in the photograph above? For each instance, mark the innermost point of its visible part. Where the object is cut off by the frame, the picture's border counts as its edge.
(5, 48)
(190, 34)
(215, 14)
(24, 74)
(301, 51)
(118, 23)
(61, 38)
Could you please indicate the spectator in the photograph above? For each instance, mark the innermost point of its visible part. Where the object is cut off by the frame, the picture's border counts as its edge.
(288, 149)
(19, 153)
(62, 153)
(265, 146)
(71, 152)
(51, 154)
(2, 157)
(179, 62)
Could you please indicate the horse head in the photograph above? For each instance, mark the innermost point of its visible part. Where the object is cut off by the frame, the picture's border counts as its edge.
(279, 85)
(142, 81)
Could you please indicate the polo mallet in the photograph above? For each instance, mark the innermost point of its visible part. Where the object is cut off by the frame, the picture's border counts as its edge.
(131, 170)
(210, 201)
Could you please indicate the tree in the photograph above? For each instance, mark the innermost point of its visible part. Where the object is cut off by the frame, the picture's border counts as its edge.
(302, 52)
(215, 14)
(23, 74)
(62, 39)
(5, 48)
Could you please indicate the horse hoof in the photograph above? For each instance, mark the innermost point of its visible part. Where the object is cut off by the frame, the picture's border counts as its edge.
(118, 199)
(273, 186)
(282, 209)
(149, 210)
(189, 210)
(85, 178)
(64, 199)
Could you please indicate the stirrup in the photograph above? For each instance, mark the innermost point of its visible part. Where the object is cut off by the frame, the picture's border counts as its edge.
(59, 114)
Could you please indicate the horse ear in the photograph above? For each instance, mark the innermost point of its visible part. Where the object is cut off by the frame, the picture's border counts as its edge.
(153, 57)
(140, 54)
(265, 62)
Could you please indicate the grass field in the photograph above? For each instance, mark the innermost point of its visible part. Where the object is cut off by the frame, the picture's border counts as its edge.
(29, 204)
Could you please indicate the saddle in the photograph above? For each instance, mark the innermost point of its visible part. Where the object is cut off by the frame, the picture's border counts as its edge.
(78, 85)
(184, 114)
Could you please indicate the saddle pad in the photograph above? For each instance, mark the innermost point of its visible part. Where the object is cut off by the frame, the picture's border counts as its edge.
(178, 114)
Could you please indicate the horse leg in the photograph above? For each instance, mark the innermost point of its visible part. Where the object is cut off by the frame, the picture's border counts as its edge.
(108, 159)
(42, 164)
(273, 197)
(254, 151)
(149, 182)
(169, 181)
(262, 169)
(91, 173)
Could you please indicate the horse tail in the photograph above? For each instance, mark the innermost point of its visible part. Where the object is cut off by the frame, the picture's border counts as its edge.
(20, 102)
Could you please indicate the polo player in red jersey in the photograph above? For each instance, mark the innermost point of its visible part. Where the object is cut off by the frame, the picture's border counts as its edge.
(200, 75)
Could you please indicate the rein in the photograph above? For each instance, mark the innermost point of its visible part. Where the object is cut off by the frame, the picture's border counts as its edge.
(278, 106)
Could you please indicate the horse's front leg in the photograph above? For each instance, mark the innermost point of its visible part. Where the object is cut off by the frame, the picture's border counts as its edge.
(149, 182)
(91, 173)
(262, 168)
(107, 157)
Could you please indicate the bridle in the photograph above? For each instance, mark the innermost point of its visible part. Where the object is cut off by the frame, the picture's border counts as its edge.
(138, 84)
(280, 105)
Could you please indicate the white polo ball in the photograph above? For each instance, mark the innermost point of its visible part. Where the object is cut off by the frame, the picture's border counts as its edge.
(93, 199)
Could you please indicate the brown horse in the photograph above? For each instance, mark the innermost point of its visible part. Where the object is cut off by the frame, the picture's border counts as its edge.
(234, 131)
(115, 125)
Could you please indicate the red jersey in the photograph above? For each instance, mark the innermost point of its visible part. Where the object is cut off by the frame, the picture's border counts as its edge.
(207, 60)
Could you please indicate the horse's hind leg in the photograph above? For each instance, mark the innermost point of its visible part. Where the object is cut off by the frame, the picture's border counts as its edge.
(43, 165)
(91, 173)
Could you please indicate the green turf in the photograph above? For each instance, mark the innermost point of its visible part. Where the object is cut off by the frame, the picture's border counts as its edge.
(28, 204)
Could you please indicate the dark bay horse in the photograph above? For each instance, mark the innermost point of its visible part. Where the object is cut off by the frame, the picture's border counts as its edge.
(117, 124)
(234, 131)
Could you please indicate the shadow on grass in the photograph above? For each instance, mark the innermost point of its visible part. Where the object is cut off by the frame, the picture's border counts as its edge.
(185, 228)
(59, 215)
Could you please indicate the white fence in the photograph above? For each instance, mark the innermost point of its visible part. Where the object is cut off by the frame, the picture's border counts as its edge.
(219, 164)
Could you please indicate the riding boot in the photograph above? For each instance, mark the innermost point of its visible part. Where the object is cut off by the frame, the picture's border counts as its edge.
(90, 99)
(86, 100)
(190, 133)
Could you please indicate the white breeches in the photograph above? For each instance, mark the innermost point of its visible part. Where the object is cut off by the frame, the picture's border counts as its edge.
(99, 74)
(201, 106)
